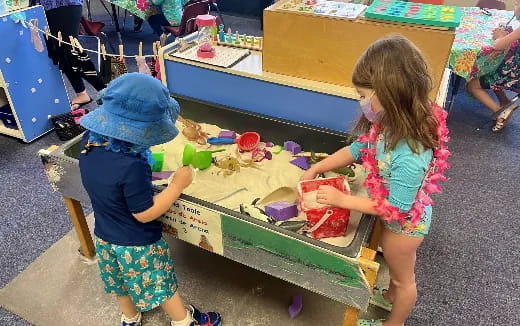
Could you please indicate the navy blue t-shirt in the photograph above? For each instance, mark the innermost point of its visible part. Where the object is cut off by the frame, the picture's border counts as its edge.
(118, 185)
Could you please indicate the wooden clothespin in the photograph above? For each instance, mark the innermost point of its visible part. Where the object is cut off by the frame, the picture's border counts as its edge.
(72, 42)
(237, 37)
(156, 46)
(140, 49)
(46, 31)
(60, 39)
(121, 53)
(260, 39)
(154, 49)
(78, 45)
(35, 23)
(103, 51)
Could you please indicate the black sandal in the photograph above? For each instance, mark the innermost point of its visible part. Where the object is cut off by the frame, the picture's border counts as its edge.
(80, 105)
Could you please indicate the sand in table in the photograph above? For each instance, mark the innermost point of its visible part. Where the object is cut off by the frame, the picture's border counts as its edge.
(247, 184)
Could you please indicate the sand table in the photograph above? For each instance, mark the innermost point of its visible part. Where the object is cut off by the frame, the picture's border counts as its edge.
(246, 185)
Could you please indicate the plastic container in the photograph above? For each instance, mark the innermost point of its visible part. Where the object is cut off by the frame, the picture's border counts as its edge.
(199, 160)
(158, 159)
(67, 124)
(323, 221)
(205, 24)
(248, 141)
(415, 13)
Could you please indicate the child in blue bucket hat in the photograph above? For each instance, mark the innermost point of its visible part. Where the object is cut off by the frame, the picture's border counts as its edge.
(134, 260)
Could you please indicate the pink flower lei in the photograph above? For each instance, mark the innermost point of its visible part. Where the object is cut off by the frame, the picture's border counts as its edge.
(375, 183)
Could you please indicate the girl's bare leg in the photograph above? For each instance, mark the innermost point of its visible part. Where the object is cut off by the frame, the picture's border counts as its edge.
(400, 252)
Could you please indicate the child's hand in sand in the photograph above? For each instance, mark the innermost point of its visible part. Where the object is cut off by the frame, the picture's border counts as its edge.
(183, 177)
(309, 175)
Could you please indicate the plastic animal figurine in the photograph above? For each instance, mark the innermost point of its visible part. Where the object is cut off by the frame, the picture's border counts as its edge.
(230, 165)
(193, 131)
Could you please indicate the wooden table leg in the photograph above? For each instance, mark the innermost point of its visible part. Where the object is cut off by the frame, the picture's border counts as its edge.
(370, 268)
(80, 225)
(376, 235)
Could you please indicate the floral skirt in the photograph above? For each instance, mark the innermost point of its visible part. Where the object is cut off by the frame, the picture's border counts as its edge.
(507, 75)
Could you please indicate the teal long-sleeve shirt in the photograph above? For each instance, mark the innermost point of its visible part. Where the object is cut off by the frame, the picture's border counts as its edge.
(401, 168)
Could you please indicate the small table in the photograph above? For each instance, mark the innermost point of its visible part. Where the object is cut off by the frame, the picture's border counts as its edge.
(472, 54)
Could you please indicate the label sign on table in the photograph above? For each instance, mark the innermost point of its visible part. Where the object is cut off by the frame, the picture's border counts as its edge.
(194, 224)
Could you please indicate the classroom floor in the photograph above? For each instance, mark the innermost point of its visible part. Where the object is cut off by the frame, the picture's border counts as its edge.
(468, 269)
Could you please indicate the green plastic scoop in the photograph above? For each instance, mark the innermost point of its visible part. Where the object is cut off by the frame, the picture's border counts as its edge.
(187, 154)
(199, 160)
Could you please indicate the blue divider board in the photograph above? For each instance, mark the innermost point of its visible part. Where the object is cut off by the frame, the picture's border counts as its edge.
(34, 84)
(275, 100)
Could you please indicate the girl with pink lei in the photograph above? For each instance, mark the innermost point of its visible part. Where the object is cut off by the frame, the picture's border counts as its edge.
(404, 153)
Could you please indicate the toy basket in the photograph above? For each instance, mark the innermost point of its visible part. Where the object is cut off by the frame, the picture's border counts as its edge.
(67, 124)
(323, 221)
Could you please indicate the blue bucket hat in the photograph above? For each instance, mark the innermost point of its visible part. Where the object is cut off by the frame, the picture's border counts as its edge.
(138, 109)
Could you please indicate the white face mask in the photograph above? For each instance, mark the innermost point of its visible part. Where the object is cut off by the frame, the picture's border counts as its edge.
(366, 107)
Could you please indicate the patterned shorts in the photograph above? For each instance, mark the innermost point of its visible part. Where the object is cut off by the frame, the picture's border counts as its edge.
(143, 272)
(422, 229)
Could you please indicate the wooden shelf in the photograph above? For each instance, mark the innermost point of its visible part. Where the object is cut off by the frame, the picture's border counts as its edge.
(10, 132)
(251, 67)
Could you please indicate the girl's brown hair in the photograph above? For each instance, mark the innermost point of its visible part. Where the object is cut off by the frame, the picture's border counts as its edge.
(398, 73)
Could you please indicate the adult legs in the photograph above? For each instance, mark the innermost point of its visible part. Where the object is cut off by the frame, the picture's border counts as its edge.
(157, 22)
(66, 20)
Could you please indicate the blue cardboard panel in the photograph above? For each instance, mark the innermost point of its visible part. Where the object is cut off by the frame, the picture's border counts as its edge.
(34, 84)
(263, 97)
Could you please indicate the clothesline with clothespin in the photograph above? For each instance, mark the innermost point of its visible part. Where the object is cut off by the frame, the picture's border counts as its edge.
(74, 43)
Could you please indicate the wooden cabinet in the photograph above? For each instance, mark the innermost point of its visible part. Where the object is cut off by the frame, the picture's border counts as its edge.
(326, 49)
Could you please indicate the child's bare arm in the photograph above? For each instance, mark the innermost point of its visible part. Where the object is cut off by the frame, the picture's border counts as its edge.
(361, 204)
(341, 158)
(502, 42)
(331, 196)
(163, 201)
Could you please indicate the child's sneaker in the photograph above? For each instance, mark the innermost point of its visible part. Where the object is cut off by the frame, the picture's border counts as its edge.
(136, 321)
(204, 319)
